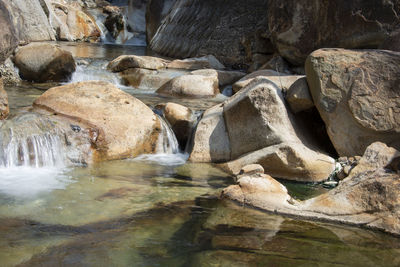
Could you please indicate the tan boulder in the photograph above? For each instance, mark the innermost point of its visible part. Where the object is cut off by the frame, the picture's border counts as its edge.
(357, 95)
(121, 126)
(4, 108)
(298, 96)
(124, 62)
(251, 169)
(148, 79)
(181, 120)
(191, 85)
(211, 140)
(8, 34)
(195, 63)
(368, 197)
(41, 62)
(71, 23)
(282, 80)
(225, 77)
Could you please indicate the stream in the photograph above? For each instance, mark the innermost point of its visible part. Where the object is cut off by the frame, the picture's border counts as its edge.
(154, 210)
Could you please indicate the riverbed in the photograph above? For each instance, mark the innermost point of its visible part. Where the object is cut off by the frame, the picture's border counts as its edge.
(157, 210)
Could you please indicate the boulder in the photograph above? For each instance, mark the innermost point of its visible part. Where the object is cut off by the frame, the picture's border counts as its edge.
(114, 21)
(261, 130)
(284, 81)
(298, 96)
(357, 95)
(41, 62)
(71, 23)
(231, 31)
(298, 29)
(120, 125)
(148, 79)
(30, 20)
(4, 108)
(251, 169)
(206, 62)
(191, 85)
(156, 11)
(225, 77)
(124, 62)
(181, 120)
(278, 64)
(8, 35)
(210, 139)
(9, 73)
(368, 197)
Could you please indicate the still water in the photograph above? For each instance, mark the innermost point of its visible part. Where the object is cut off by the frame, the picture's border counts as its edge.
(157, 210)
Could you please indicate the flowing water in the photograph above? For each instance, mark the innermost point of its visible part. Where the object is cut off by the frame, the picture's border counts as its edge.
(154, 210)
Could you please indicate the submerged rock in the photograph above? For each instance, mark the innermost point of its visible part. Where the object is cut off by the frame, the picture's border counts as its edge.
(368, 197)
(125, 62)
(254, 126)
(42, 62)
(357, 95)
(4, 108)
(120, 125)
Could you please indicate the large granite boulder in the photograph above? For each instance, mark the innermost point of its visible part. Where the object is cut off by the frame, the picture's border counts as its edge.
(255, 126)
(357, 94)
(120, 125)
(233, 31)
(30, 20)
(368, 197)
(297, 29)
(41, 62)
(8, 35)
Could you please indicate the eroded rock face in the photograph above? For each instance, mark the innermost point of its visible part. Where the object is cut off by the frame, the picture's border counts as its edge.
(232, 31)
(155, 12)
(120, 126)
(41, 62)
(8, 35)
(358, 96)
(30, 20)
(4, 108)
(297, 28)
(260, 130)
(368, 197)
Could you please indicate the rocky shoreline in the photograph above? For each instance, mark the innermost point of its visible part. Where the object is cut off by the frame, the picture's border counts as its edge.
(295, 107)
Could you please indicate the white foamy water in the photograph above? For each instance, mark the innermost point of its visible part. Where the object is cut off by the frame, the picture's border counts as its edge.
(164, 159)
(167, 142)
(27, 182)
(96, 70)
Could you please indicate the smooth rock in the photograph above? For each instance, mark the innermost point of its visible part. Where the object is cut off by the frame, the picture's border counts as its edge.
(206, 62)
(211, 140)
(156, 11)
(148, 79)
(298, 96)
(224, 77)
(357, 95)
(251, 169)
(283, 81)
(4, 108)
(368, 197)
(191, 86)
(120, 125)
(124, 62)
(8, 34)
(297, 29)
(181, 120)
(41, 62)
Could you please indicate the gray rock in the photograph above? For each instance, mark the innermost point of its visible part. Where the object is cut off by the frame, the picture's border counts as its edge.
(298, 96)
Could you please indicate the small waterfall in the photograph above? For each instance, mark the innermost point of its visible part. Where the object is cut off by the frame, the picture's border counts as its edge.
(30, 141)
(167, 142)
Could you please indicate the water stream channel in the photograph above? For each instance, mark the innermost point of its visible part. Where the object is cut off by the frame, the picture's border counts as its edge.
(154, 210)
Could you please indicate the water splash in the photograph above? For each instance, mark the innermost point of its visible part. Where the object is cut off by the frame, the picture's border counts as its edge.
(95, 70)
(167, 142)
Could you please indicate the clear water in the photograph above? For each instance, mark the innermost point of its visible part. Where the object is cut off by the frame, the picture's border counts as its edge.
(158, 210)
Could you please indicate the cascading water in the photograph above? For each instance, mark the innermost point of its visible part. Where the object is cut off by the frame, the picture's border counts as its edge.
(31, 156)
